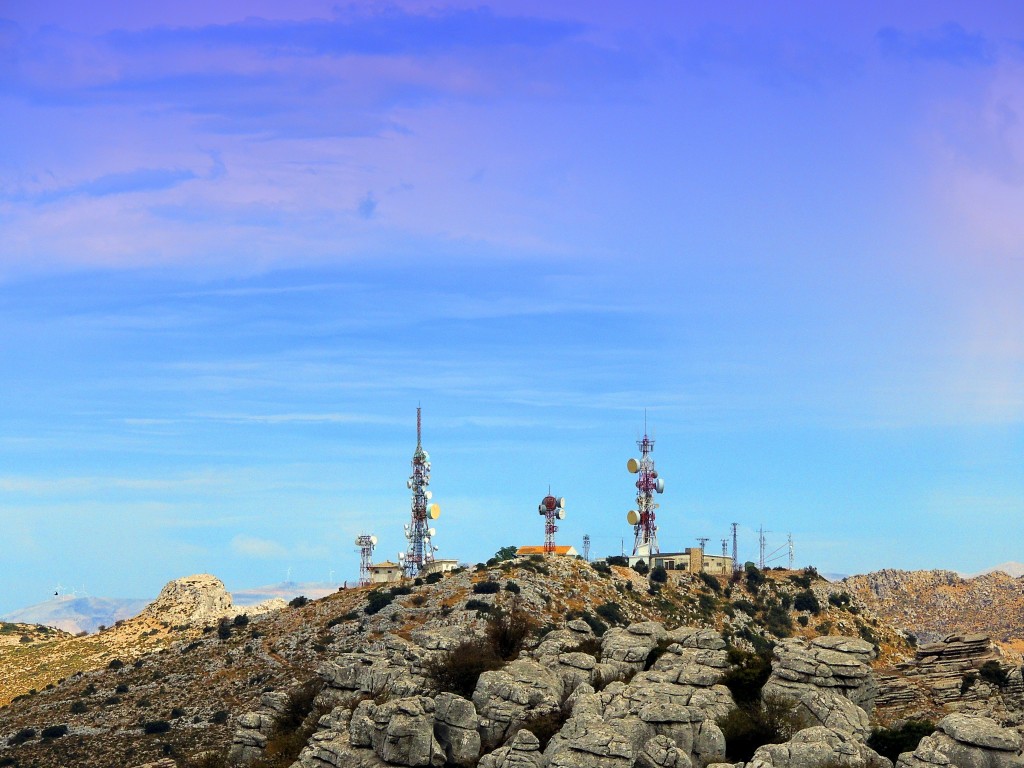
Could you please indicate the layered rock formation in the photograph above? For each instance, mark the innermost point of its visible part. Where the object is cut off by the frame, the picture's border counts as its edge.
(199, 600)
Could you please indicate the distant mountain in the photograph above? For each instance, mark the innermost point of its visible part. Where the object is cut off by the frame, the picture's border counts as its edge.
(78, 614)
(286, 590)
(1016, 570)
(87, 614)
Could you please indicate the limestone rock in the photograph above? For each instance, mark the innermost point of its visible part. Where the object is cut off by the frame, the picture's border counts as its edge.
(456, 725)
(523, 751)
(841, 664)
(505, 698)
(661, 752)
(966, 741)
(826, 707)
(192, 601)
(401, 731)
(816, 747)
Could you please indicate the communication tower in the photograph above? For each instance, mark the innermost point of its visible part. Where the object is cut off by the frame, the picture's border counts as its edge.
(703, 540)
(645, 540)
(792, 552)
(725, 547)
(366, 543)
(735, 549)
(420, 552)
(586, 547)
(551, 509)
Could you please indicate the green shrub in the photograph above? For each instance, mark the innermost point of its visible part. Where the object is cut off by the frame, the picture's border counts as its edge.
(433, 578)
(807, 601)
(298, 602)
(612, 613)
(745, 605)
(219, 717)
(478, 605)
(658, 575)
(377, 601)
(778, 622)
(754, 577)
(770, 720)
(121, 688)
(458, 670)
(892, 742)
(224, 629)
(618, 560)
(486, 587)
(79, 707)
(641, 567)
(802, 621)
(507, 630)
(177, 712)
(402, 589)
(597, 626)
(512, 587)
(506, 553)
(748, 674)
(241, 620)
(54, 731)
(21, 737)
(545, 725)
(115, 664)
(711, 581)
(840, 600)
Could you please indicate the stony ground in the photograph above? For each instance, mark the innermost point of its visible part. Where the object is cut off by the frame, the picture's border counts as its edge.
(192, 684)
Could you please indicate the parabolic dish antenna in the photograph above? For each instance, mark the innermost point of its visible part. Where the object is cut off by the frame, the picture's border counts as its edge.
(429, 495)
(373, 540)
(432, 532)
(632, 517)
(560, 514)
(659, 486)
(434, 512)
(561, 502)
(633, 466)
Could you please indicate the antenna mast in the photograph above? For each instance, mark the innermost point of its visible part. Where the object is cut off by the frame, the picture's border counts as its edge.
(735, 548)
(366, 543)
(586, 547)
(420, 552)
(645, 531)
(725, 547)
(792, 551)
(551, 509)
(702, 540)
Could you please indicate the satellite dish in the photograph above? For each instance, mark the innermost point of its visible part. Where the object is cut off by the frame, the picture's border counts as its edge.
(560, 514)
(542, 511)
(373, 540)
(633, 466)
(408, 483)
(358, 542)
(434, 512)
(561, 502)
(428, 494)
(426, 458)
(632, 517)
(401, 555)
(432, 532)
(660, 485)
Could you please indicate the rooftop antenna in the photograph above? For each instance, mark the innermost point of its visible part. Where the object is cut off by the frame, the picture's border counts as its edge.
(586, 547)
(702, 540)
(735, 549)
(420, 552)
(366, 542)
(725, 547)
(552, 509)
(645, 531)
(760, 540)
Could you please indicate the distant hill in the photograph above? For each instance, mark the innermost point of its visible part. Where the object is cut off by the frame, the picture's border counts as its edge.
(87, 614)
(78, 614)
(1016, 570)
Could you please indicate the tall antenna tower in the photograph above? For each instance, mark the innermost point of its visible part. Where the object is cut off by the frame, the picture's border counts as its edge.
(420, 552)
(725, 547)
(366, 543)
(645, 531)
(552, 509)
(760, 538)
(792, 552)
(586, 547)
(735, 548)
(703, 540)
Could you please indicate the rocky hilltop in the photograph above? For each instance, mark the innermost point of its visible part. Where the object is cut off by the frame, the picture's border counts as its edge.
(526, 663)
(935, 604)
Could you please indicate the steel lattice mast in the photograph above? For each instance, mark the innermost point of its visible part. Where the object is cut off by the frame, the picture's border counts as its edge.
(366, 543)
(420, 552)
(645, 539)
(551, 509)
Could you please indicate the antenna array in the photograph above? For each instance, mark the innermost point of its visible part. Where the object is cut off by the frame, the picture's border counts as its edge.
(645, 531)
(420, 552)
(552, 509)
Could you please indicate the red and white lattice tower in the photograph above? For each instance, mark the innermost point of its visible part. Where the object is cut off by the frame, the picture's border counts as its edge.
(551, 509)
(645, 540)
(420, 552)
(366, 543)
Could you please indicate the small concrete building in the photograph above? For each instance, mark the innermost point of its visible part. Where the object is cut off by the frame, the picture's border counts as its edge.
(563, 551)
(692, 560)
(385, 573)
(440, 566)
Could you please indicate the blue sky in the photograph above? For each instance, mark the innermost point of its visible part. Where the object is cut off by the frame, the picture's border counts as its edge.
(240, 243)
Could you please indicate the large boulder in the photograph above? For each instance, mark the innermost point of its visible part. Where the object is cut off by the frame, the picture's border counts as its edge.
(523, 751)
(456, 727)
(506, 698)
(966, 741)
(822, 706)
(840, 664)
(401, 732)
(817, 747)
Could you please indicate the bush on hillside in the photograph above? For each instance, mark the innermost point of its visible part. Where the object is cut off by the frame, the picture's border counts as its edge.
(486, 587)
(769, 720)
(892, 742)
(711, 581)
(641, 567)
(618, 560)
(377, 601)
(54, 731)
(156, 726)
(807, 601)
(748, 674)
(992, 672)
(507, 630)
(459, 670)
(659, 575)
(298, 602)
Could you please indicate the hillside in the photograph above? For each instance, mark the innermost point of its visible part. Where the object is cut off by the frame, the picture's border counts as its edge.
(78, 614)
(935, 604)
(200, 680)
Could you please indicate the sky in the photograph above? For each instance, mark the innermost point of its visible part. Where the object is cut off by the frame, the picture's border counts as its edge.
(240, 242)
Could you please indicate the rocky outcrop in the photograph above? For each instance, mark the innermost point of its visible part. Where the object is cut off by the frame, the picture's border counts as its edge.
(816, 747)
(839, 664)
(400, 732)
(457, 729)
(935, 604)
(506, 698)
(256, 727)
(193, 601)
(523, 751)
(966, 741)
